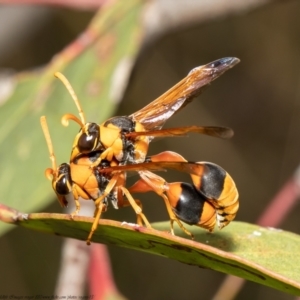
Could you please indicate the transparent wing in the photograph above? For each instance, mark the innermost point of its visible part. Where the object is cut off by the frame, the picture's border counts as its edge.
(187, 167)
(154, 115)
(221, 132)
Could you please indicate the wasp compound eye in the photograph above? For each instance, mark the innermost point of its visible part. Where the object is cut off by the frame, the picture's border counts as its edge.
(63, 183)
(89, 140)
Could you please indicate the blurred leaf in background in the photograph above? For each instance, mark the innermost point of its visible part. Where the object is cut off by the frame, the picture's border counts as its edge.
(98, 64)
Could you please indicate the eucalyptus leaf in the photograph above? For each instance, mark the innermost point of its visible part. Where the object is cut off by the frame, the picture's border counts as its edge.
(264, 255)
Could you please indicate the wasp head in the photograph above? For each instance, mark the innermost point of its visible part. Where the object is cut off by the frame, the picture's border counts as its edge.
(61, 182)
(87, 140)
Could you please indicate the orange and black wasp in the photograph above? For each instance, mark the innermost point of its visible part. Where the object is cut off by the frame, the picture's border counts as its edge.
(127, 138)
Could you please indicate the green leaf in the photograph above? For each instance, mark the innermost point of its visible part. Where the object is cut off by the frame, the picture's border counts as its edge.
(264, 255)
(108, 45)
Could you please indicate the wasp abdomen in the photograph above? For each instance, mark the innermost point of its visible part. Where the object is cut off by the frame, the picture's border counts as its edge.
(219, 188)
(211, 182)
(190, 206)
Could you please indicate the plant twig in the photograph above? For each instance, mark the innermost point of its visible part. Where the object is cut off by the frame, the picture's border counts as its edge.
(100, 276)
(74, 260)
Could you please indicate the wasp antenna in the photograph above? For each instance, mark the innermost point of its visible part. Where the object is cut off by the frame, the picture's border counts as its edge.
(49, 173)
(68, 86)
(65, 120)
(48, 141)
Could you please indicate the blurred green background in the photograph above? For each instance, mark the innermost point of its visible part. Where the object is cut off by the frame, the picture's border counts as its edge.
(259, 99)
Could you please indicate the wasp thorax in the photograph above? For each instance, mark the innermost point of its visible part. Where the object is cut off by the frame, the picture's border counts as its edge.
(124, 123)
(89, 139)
(63, 183)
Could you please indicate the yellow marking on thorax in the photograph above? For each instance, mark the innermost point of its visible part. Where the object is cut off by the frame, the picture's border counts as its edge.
(109, 134)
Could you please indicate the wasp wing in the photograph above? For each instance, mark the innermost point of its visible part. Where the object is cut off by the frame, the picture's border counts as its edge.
(187, 167)
(155, 114)
(215, 131)
(210, 179)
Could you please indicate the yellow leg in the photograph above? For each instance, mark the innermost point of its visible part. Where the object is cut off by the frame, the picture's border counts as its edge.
(98, 211)
(173, 218)
(100, 205)
(106, 154)
(136, 207)
(77, 204)
(158, 185)
(126, 203)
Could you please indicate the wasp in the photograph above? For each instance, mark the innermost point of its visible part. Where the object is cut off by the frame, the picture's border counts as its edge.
(127, 138)
(212, 197)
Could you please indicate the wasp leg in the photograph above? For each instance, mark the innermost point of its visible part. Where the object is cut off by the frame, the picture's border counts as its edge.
(150, 181)
(167, 156)
(139, 219)
(77, 205)
(124, 203)
(76, 200)
(107, 154)
(99, 206)
(134, 203)
(97, 216)
(96, 163)
(104, 155)
(173, 218)
(137, 208)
